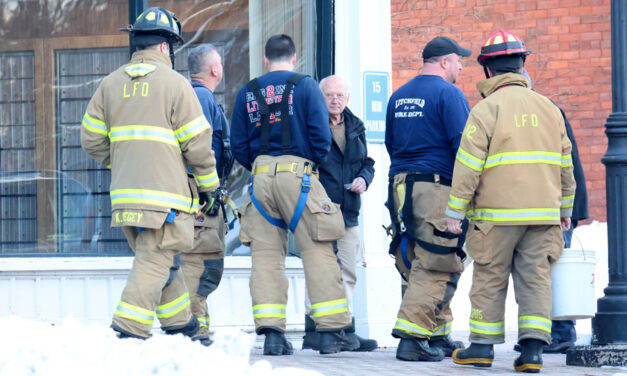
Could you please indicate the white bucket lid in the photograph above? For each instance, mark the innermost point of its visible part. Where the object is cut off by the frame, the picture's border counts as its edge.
(578, 255)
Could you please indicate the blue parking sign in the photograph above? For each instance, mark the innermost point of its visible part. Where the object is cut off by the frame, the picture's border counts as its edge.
(376, 95)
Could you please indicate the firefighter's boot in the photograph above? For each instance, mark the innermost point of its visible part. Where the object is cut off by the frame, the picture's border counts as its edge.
(530, 359)
(417, 349)
(311, 340)
(203, 337)
(276, 343)
(478, 355)
(365, 344)
(334, 342)
(446, 344)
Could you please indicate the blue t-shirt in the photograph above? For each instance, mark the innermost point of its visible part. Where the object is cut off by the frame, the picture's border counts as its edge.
(309, 120)
(213, 113)
(424, 123)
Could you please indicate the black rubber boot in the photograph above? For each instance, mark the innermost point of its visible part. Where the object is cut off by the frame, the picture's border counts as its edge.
(203, 337)
(311, 340)
(478, 355)
(276, 343)
(530, 359)
(365, 344)
(190, 329)
(417, 349)
(556, 347)
(446, 344)
(334, 342)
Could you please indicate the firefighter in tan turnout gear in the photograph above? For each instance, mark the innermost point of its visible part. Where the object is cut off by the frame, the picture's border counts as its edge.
(145, 122)
(424, 123)
(513, 179)
(280, 131)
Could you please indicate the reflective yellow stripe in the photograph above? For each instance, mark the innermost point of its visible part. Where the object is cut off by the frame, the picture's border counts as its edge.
(192, 128)
(567, 160)
(410, 327)
(568, 201)
(488, 328)
(331, 307)
(469, 160)
(143, 133)
(534, 322)
(139, 69)
(269, 310)
(172, 308)
(131, 312)
(94, 125)
(523, 157)
(443, 329)
(400, 191)
(513, 215)
(457, 202)
(208, 180)
(152, 197)
(204, 321)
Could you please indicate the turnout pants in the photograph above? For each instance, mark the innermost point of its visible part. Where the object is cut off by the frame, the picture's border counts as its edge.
(432, 280)
(527, 253)
(321, 223)
(155, 284)
(204, 265)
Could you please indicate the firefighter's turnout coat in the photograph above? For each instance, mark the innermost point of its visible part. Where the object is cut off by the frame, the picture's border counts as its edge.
(513, 167)
(145, 123)
(513, 179)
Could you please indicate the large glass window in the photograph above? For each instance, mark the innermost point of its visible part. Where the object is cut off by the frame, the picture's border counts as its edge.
(54, 199)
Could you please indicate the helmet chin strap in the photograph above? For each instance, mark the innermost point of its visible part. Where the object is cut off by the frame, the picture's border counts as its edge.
(171, 52)
(485, 70)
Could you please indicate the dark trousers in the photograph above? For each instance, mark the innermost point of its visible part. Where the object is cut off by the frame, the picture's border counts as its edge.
(564, 330)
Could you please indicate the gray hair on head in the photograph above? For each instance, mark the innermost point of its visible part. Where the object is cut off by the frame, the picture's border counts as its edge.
(335, 77)
(196, 58)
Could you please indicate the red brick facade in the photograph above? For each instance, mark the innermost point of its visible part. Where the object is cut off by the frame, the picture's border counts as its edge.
(570, 63)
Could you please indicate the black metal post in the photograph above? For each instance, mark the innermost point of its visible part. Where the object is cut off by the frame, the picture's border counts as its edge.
(135, 8)
(609, 325)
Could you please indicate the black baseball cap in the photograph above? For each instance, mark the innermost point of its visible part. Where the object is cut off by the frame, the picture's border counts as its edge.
(440, 46)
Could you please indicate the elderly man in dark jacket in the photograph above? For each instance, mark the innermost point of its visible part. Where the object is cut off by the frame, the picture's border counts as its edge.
(345, 175)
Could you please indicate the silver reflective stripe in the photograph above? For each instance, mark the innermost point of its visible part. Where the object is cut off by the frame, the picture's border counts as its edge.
(177, 306)
(443, 330)
(135, 313)
(469, 160)
(260, 311)
(410, 327)
(336, 308)
(514, 214)
(523, 157)
(534, 322)
(488, 328)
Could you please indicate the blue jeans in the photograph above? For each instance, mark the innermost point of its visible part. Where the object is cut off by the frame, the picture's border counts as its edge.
(564, 330)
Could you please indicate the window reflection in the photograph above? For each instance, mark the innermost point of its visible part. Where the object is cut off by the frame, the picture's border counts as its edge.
(54, 198)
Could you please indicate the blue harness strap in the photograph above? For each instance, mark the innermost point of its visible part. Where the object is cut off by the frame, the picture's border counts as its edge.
(298, 211)
(404, 240)
(278, 222)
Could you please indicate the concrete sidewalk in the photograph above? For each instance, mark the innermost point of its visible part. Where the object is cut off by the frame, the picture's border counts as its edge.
(383, 362)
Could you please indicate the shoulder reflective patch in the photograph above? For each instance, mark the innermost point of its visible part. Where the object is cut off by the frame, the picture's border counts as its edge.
(139, 70)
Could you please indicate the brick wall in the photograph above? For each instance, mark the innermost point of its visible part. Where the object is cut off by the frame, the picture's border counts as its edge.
(570, 63)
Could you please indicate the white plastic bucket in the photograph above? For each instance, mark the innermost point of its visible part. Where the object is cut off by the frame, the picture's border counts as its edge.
(573, 285)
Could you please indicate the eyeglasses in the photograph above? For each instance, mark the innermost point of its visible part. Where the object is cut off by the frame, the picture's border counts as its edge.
(332, 96)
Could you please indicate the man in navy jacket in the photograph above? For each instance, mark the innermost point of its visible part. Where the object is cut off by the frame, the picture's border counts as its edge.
(345, 175)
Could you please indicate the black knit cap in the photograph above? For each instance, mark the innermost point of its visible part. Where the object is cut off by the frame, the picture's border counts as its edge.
(440, 46)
